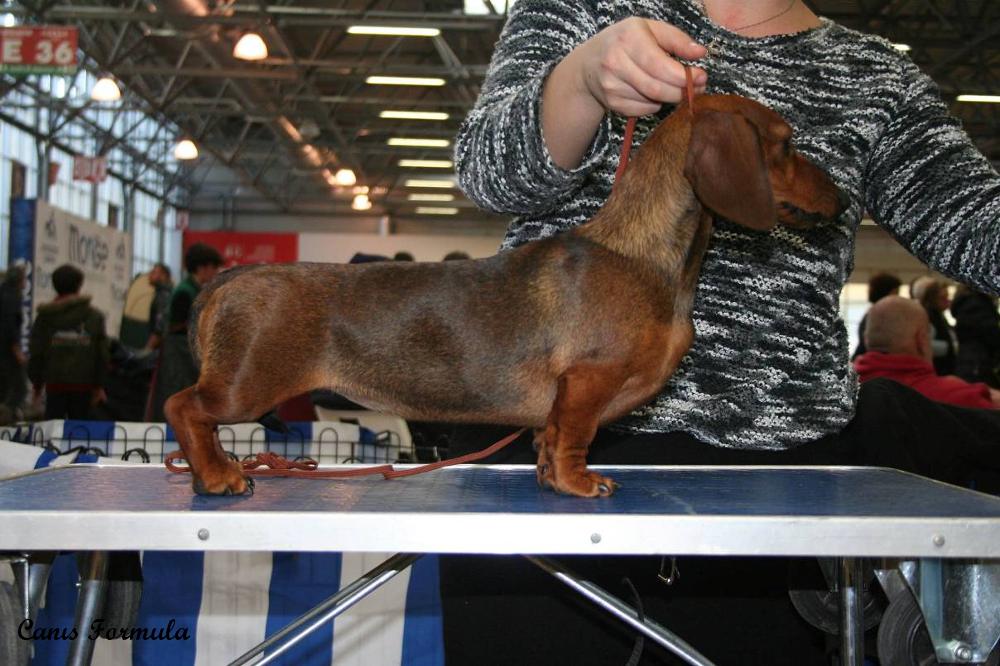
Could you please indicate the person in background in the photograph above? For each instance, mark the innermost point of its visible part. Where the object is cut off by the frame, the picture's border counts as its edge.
(68, 354)
(160, 278)
(177, 369)
(456, 255)
(977, 325)
(402, 255)
(932, 293)
(898, 335)
(880, 285)
(13, 383)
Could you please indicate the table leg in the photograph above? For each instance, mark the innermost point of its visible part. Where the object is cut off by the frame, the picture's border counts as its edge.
(329, 609)
(622, 611)
(850, 579)
(90, 601)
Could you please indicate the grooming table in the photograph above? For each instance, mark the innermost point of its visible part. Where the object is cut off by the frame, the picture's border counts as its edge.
(831, 512)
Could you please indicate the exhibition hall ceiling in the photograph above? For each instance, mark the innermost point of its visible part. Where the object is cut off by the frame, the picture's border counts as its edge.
(275, 132)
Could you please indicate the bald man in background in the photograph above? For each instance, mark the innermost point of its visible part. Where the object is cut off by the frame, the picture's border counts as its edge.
(898, 338)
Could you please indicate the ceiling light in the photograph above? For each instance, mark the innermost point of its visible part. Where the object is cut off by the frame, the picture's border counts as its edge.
(250, 47)
(361, 202)
(414, 115)
(345, 177)
(979, 98)
(291, 129)
(105, 90)
(434, 210)
(418, 143)
(902, 47)
(393, 31)
(426, 164)
(427, 182)
(311, 154)
(404, 81)
(427, 196)
(186, 150)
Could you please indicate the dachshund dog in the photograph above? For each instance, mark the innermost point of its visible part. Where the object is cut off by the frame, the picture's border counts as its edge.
(603, 312)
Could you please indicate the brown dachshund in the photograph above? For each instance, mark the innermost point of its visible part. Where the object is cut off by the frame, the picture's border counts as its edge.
(562, 335)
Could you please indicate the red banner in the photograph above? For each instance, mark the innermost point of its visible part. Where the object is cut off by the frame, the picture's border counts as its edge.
(240, 248)
(40, 49)
(91, 169)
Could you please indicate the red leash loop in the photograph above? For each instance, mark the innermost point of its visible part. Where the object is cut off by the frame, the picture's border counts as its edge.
(268, 464)
(626, 150)
(690, 89)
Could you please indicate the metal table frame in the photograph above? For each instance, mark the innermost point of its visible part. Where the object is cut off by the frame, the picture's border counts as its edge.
(848, 513)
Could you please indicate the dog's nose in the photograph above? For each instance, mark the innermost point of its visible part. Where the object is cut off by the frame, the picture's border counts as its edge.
(843, 201)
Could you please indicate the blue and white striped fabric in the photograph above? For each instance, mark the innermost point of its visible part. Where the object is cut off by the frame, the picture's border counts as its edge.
(227, 602)
(218, 605)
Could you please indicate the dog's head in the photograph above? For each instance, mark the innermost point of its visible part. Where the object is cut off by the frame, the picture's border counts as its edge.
(741, 165)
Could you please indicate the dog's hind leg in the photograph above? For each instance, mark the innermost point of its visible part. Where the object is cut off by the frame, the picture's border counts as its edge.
(582, 396)
(213, 473)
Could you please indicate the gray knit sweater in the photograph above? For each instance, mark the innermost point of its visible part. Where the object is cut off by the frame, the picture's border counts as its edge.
(769, 366)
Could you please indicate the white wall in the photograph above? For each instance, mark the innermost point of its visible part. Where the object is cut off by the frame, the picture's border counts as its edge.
(339, 248)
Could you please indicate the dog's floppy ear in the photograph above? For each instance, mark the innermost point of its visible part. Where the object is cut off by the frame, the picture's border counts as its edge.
(725, 166)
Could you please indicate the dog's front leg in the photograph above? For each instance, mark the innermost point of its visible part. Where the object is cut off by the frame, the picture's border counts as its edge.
(212, 472)
(582, 395)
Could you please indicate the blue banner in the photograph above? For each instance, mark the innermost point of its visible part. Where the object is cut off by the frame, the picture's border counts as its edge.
(21, 251)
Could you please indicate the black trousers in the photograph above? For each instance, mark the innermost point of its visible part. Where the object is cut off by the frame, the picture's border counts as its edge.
(500, 610)
(13, 381)
(68, 404)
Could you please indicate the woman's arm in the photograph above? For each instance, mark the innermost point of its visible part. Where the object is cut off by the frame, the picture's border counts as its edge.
(929, 186)
(540, 122)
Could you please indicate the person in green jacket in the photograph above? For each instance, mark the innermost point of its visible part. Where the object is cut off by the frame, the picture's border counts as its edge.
(68, 354)
(177, 369)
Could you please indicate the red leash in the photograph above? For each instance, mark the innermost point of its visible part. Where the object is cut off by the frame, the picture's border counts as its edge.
(630, 129)
(626, 149)
(269, 464)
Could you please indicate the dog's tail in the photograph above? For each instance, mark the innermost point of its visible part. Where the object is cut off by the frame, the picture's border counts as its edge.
(199, 304)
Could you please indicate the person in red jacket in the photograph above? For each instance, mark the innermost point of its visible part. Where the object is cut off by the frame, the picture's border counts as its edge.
(898, 337)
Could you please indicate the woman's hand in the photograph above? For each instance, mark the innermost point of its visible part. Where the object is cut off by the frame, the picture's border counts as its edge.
(631, 68)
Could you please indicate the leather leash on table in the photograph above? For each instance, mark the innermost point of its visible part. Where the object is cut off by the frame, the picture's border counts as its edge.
(268, 464)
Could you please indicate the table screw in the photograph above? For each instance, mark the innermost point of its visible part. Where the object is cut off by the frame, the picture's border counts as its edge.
(938, 540)
(203, 534)
(595, 538)
(963, 652)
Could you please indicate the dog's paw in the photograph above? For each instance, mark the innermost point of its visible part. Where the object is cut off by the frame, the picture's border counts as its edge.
(582, 484)
(227, 480)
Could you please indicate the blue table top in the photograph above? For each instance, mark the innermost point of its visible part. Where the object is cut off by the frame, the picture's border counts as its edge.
(750, 497)
(831, 491)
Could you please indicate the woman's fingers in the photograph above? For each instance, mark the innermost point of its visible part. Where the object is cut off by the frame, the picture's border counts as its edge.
(645, 79)
(636, 68)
